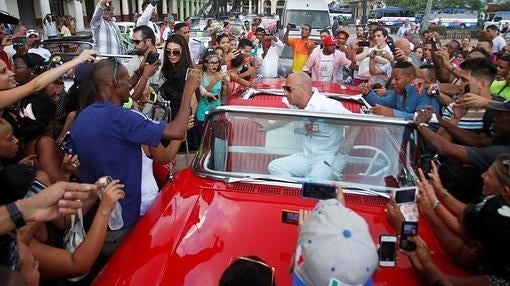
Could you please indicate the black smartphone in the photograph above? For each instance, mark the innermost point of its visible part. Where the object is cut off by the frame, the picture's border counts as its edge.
(152, 57)
(409, 228)
(364, 44)
(387, 250)
(318, 191)
(290, 217)
(19, 41)
(65, 145)
(292, 26)
(35, 188)
(467, 88)
(433, 43)
(405, 195)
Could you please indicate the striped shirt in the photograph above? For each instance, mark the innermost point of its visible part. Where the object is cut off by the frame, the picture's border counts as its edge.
(106, 34)
(472, 120)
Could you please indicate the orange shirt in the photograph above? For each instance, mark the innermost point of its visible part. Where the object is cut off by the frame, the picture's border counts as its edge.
(302, 48)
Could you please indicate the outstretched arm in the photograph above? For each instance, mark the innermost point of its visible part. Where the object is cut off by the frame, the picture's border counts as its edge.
(11, 96)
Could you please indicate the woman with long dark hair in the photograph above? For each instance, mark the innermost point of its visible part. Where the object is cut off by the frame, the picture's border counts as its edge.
(175, 64)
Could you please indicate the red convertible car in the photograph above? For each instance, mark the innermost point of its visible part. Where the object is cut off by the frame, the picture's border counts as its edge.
(229, 204)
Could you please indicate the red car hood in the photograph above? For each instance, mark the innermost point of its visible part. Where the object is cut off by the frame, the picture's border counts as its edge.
(193, 230)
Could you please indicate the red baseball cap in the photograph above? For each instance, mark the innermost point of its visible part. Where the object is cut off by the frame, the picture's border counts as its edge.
(329, 41)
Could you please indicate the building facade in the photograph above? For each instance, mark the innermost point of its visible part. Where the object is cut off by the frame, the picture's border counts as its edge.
(31, 12)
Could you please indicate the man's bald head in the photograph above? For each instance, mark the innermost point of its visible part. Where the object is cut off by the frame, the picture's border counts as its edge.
(298, 89)
(404, 45)
(301, 77)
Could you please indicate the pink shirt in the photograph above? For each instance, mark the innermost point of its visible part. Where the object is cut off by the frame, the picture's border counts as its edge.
(313, 64)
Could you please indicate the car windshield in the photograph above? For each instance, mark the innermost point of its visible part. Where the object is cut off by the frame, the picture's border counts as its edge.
(316, 19)
(236, 147)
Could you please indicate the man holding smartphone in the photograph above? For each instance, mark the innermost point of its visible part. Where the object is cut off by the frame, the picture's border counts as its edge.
(106, 34)
(333, 236)
(144, 69)
(302, 47)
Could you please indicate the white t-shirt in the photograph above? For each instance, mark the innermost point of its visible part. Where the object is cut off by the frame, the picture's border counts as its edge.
(498, 44)
(326, 67)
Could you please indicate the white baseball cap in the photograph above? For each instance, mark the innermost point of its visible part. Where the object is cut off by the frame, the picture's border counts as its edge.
(334, 248)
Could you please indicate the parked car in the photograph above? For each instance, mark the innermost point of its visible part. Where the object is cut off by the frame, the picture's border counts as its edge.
(227, 204)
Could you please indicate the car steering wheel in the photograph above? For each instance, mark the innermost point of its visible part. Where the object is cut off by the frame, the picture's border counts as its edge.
(375, 158)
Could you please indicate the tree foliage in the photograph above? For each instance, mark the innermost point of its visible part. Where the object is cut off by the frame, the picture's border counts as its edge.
(419, 6)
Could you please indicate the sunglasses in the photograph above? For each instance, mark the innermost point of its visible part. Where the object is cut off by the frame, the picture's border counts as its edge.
(287, 89)
(247, 259)
(115, 67)
(213, 63)
(136, 42)
(174, 53)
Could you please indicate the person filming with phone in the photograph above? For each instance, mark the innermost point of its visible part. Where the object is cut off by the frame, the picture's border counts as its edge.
(106, 34)
(302, 47)
(320, 142)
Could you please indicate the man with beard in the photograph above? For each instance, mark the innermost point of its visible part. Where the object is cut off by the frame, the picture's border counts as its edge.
(323, 64)
(144, 41)
(105, 32)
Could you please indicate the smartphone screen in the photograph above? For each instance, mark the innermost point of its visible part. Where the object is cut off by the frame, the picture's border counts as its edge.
(388, 250)
(318, 191)
(290, 217)
(364, 44)
(35, 188)
(405, 196)
(408, 229)
(65, 145)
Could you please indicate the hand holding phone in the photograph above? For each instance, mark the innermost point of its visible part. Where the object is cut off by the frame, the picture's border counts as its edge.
(387, 250)
(409, 228)
(318, 191)
(152, 57)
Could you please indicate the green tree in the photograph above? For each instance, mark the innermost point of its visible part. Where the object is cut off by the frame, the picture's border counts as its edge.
(419, 6)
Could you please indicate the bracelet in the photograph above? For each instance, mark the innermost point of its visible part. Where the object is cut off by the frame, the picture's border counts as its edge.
(436, 204)
(15, 215)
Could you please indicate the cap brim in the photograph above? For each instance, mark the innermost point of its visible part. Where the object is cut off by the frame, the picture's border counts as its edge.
(499, 105)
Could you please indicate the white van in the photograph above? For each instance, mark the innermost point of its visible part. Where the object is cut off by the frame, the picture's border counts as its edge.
(499, 19)
(312, 12)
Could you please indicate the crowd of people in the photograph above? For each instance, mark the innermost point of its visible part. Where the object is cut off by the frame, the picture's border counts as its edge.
(101, 126)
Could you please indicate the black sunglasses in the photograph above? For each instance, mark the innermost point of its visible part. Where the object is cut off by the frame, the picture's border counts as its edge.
(287, 88)
(174, 53)
(136, 42)
(115, 64)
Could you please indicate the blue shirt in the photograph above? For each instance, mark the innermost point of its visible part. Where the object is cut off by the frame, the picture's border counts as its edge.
(107, 138)
(404, 107)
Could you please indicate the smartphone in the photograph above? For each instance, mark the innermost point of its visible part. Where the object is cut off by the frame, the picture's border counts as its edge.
(35, 188)
(223, 70)
(188, 70)
(290, 217)
(65, 145)
(105, 180)
(405, 195)
(387, 250)
(318, 191)
(292, 26)
(467, 88)
(379, 53)
(409, 228)
(152, 57)
(433, 43)
(19, 41)
(364, 44)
